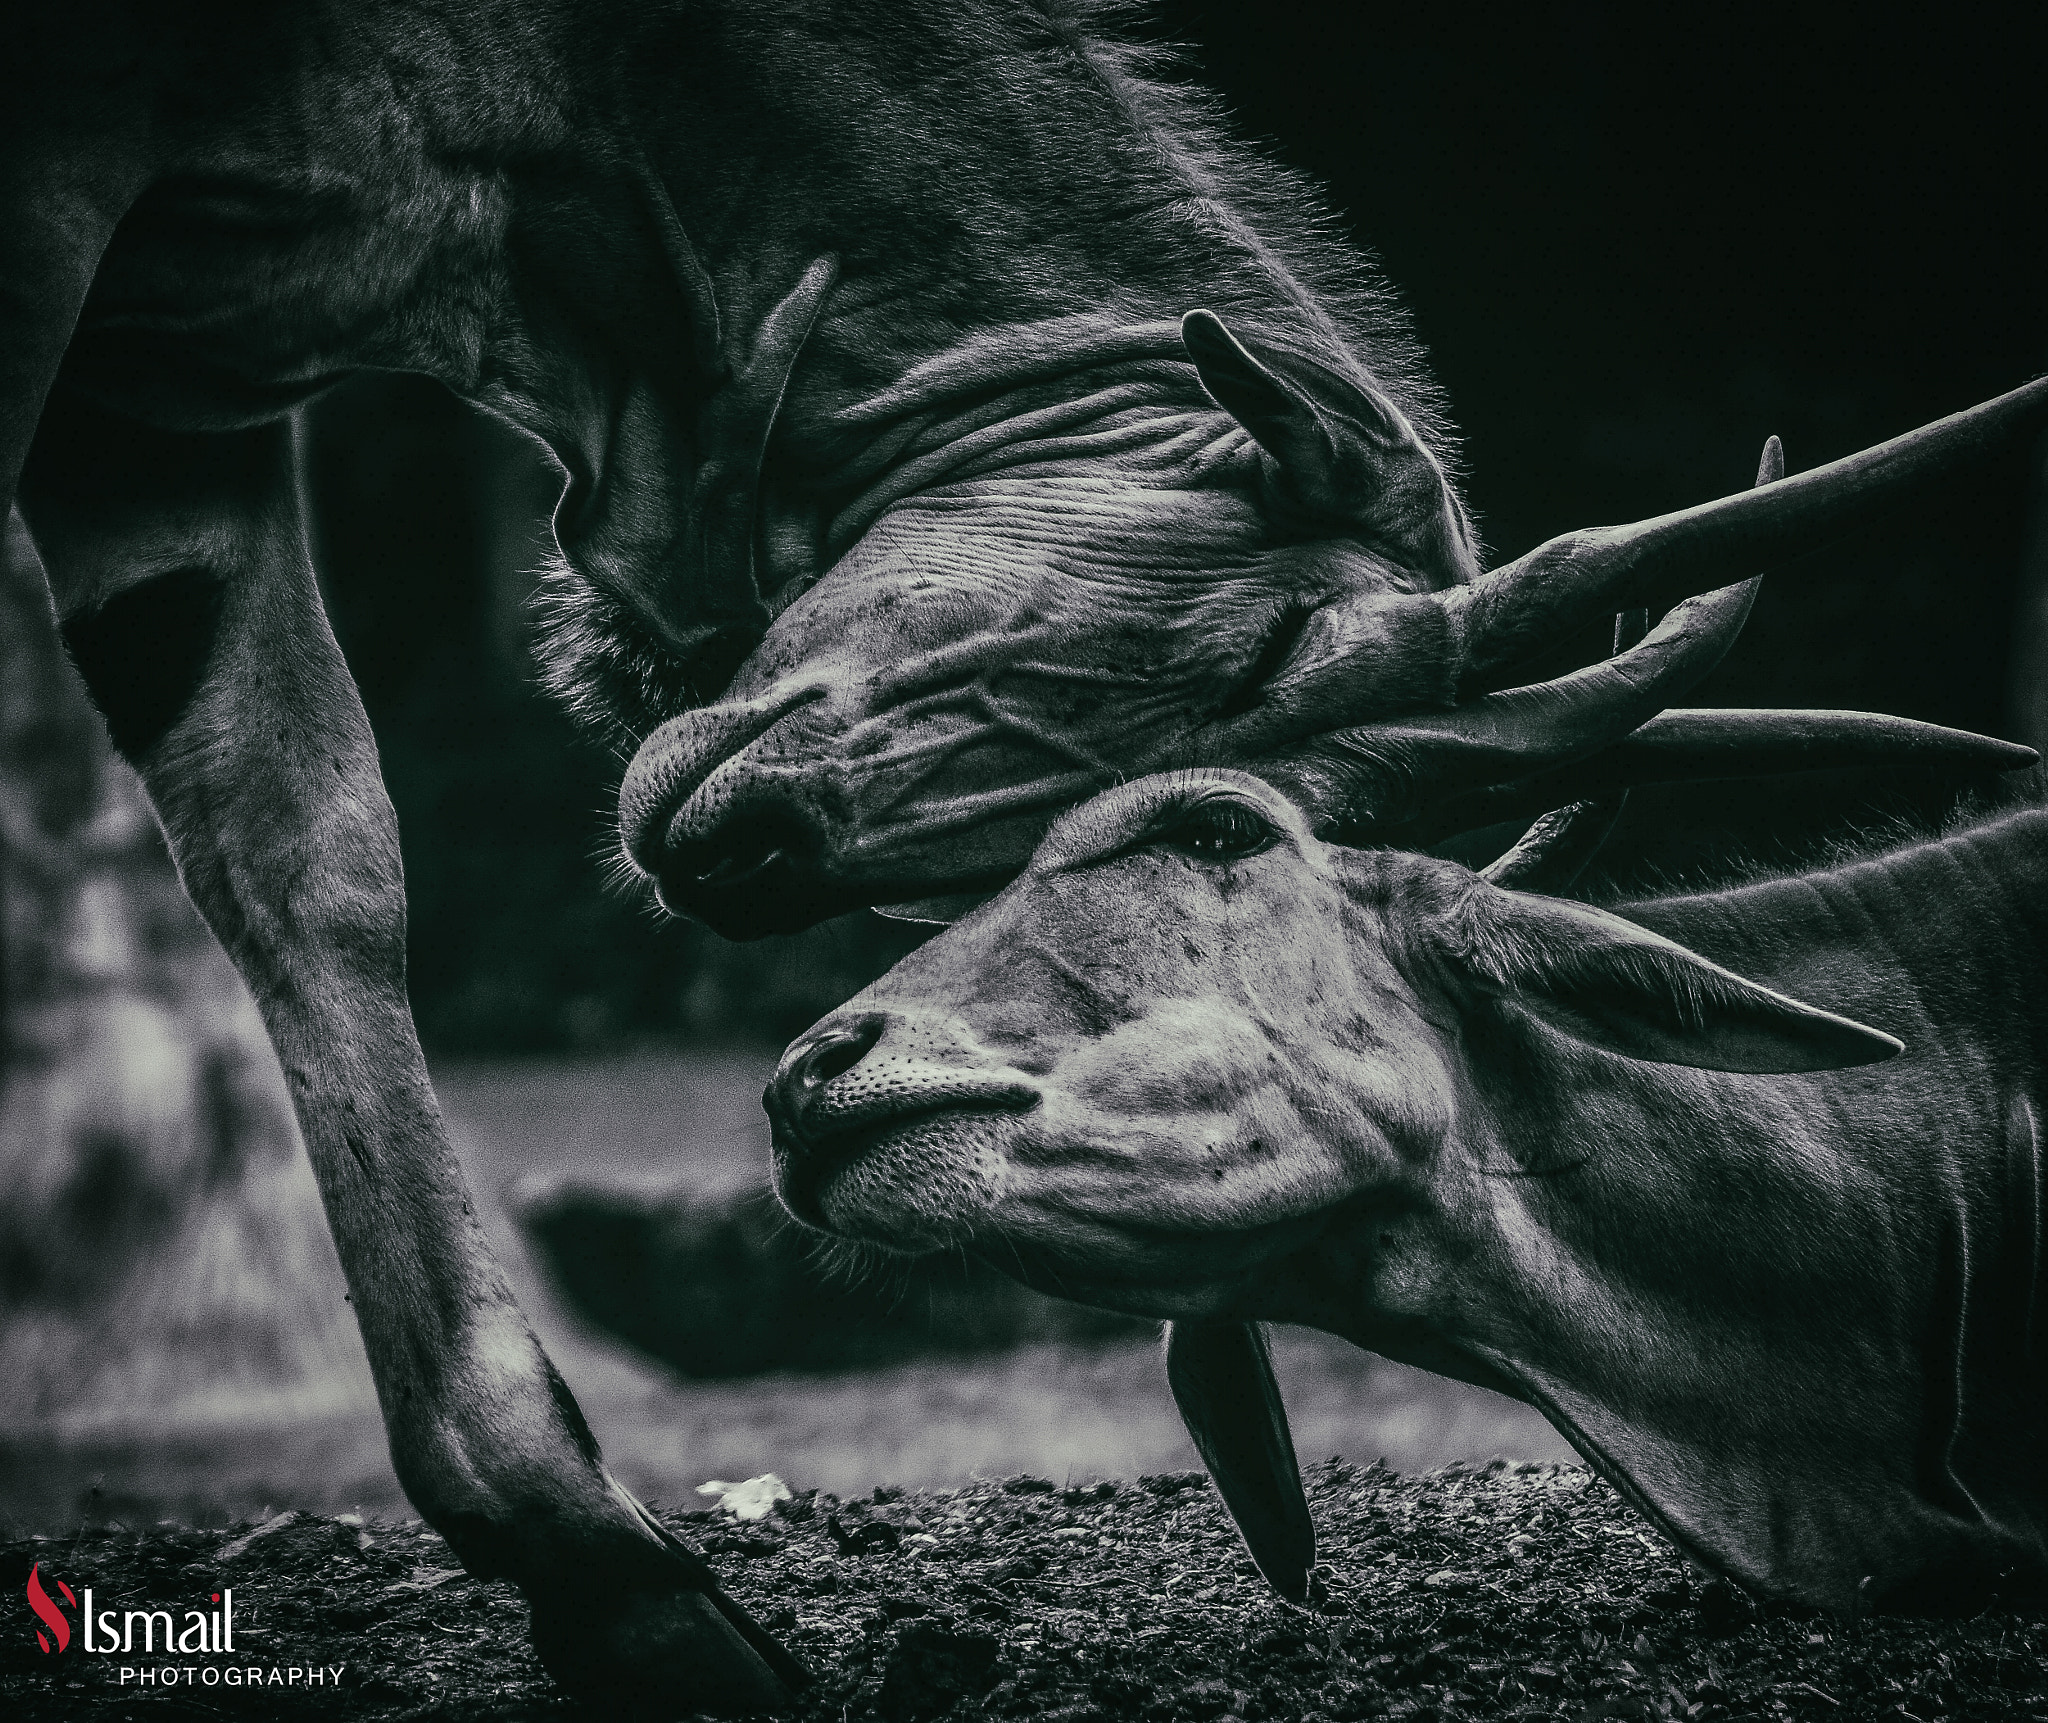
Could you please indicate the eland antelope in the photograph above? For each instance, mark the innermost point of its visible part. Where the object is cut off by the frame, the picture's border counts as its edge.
(903, 506)
(1742, 1188)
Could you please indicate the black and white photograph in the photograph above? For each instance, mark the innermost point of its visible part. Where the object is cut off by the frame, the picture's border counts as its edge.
(1060, 860)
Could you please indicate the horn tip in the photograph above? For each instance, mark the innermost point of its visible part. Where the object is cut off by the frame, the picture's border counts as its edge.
(1290, 1579)
(1772, 467)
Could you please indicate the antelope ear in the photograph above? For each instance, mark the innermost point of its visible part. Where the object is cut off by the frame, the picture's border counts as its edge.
(1222, 1380)
(1614, 985)
(1337, 452)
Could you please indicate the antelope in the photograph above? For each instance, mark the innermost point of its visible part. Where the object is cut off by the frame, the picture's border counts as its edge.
(904, 505)
(1742, 1188)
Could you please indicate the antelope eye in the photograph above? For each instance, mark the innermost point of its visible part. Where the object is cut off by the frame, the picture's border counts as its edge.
(1219, 830)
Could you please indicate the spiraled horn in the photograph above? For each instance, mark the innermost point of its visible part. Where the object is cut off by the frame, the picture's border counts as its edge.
(1556, 849)
(1385, 775)
(1388, 653)
(1563, 584)
(1707, 744)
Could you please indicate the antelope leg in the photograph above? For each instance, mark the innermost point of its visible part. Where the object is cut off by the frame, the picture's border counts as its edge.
(71, 163)
(187, 598)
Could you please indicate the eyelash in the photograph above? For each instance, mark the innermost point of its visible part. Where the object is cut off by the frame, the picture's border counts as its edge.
(1218, 831)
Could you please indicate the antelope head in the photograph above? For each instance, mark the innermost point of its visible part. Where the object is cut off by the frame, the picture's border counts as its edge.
(1271, 572)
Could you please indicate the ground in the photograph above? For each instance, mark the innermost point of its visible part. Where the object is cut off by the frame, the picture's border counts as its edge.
(1508, 1591)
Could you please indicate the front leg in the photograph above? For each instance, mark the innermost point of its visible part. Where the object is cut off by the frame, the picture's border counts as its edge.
(187, 598)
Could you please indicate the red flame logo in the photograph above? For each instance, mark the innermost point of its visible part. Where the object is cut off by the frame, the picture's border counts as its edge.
(50, 1615)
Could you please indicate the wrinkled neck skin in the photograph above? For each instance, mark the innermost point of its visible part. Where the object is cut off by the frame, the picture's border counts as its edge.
(756, 277)
(844, 325)
(1796, 1318)
(1101, 395)
(996, 311)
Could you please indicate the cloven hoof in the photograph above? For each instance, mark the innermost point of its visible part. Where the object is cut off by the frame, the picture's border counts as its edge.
(664, 1653)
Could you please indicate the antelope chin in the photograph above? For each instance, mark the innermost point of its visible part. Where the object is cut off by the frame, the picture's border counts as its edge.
(925, 1185)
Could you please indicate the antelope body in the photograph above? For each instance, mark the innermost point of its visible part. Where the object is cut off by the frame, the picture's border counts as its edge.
(1768, 1250)
(905, 505)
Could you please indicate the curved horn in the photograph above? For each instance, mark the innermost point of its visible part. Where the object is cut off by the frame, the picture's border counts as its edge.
(1386, 653)
(1706, 744)
(1555, 850)
(1377, 776)
(1565, 583)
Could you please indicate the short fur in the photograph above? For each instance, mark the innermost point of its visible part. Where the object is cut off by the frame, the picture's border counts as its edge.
(856, 332)
(1783, 1287)
(758, 276)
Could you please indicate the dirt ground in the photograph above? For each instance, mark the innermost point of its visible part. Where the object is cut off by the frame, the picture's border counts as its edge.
(1512, 1591)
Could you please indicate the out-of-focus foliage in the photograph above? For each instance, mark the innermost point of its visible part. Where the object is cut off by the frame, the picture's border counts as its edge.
(162, 1251)
(727, 1285)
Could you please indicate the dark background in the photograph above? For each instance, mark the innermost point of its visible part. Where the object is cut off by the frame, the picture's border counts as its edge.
(1636, 245)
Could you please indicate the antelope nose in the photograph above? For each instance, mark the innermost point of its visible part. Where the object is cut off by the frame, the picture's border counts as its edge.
(715, 811)
(811, 1064)
(751, 868)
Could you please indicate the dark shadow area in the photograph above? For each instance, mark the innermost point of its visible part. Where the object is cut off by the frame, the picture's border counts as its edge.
(432, 525)
(1636, 244)
(717, 1286)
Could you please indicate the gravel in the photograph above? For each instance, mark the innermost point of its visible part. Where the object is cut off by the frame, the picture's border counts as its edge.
(1507, 1592)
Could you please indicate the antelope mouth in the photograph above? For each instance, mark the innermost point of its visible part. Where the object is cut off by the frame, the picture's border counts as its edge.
(761, 871)
(742, 818)
(708, 830)
(918, 1178)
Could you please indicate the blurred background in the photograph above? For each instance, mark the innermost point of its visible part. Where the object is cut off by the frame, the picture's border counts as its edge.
(1635, 247)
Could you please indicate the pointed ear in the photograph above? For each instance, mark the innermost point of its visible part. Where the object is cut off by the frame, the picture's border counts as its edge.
(1617, 986)
(1222, 1380)
(1338, 454)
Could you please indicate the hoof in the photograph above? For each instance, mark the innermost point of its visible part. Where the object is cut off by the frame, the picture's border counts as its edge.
(654, 1654)
(654, 1637)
